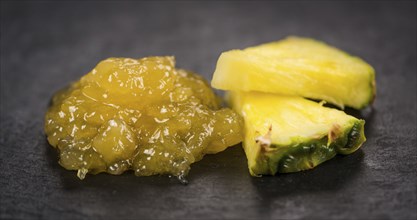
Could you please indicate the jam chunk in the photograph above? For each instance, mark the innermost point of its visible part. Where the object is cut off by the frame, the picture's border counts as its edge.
(139, 114)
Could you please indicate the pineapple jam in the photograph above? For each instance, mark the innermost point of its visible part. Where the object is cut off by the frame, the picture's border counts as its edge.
(139, 114)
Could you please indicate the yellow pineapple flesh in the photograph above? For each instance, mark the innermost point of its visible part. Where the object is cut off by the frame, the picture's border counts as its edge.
(298, 66)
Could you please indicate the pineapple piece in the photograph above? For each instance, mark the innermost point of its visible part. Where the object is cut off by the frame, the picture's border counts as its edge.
(298, 66)
(289, 133)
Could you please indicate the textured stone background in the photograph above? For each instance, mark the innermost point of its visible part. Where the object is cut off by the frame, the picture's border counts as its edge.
(44, 46)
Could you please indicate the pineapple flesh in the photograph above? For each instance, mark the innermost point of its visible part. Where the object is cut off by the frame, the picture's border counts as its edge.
(301, 67)
(289, 133)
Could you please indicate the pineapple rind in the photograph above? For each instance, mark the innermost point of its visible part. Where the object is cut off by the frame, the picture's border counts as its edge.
(306, 154)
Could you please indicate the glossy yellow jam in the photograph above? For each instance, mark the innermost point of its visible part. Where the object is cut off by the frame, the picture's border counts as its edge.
(139, 114)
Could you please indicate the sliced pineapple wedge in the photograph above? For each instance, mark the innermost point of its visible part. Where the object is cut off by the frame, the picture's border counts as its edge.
(298, 66)
(289, 134)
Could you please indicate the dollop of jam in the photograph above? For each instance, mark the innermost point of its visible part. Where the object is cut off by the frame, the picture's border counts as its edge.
(139, 114)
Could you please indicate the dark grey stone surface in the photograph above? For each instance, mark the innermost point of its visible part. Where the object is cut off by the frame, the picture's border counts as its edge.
(44, 46)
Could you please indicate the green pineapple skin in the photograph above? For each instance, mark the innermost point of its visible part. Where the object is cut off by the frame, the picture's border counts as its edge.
(307, 154)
